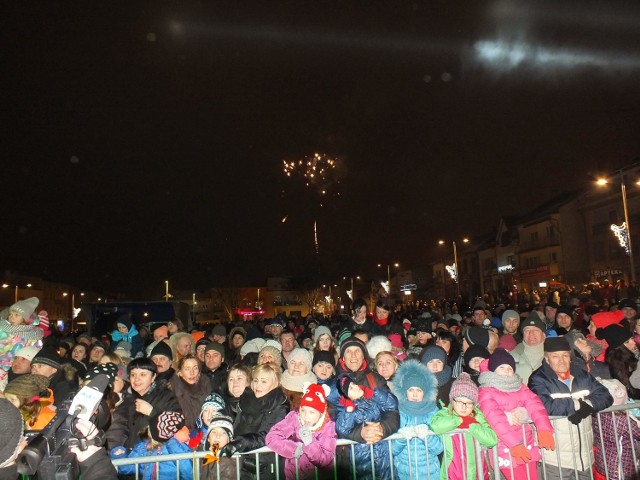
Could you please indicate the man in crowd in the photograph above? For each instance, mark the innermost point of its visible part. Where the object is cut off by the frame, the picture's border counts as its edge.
(288, 342)
(214, 366)
(530, 352)
(21, 363)
(573, 393)
(550, 311)
(162, 357)
(630, 310)
(63, 379)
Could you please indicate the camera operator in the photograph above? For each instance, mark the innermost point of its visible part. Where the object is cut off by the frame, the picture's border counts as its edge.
(94, 461)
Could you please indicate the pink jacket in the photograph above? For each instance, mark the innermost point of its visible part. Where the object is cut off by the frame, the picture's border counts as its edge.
(495, 404)
(283, 439)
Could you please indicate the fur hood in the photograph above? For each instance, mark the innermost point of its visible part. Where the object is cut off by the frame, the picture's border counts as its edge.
(412, 373)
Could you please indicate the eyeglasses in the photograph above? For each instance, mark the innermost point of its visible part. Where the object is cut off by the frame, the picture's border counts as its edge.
(463, 404)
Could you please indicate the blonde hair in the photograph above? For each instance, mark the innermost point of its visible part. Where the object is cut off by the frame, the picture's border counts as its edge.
(270, 369)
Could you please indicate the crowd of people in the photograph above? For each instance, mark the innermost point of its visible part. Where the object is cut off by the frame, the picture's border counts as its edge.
(443, 377)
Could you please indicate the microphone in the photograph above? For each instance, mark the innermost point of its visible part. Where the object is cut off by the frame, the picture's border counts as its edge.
(89, 397)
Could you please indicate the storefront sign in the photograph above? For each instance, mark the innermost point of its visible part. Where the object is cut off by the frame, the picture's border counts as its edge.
(608, 273)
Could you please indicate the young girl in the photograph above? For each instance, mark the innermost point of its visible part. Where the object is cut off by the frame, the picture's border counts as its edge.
(26, 393)
(360, 404)
(509, 404)
(161, 441)
(416, 389)
(126, 331)
(460, 461)
(306, 438)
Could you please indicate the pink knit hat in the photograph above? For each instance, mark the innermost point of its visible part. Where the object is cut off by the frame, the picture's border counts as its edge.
(464, 387)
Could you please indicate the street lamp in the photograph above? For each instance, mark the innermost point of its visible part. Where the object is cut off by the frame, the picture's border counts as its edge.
(455, 262)
(351, 293)
(623, 190)
(6, 285)
(388, 287)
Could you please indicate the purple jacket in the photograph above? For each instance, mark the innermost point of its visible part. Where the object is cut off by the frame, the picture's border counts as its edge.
(283, 439)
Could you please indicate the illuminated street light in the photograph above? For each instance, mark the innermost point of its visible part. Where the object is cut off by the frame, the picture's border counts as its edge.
(388, 286)
(17, 287)
(454, 271)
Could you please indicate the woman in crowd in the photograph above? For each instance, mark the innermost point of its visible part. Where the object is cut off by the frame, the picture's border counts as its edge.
(237, 337)
(386, 365)
(585, 353)
(96, 351)
(622, 355)
(473, 357)
(259, 409)
(323, 341)
(238, 380)
(435, 358)
(190, 388)
(449, 342)
(297, 374)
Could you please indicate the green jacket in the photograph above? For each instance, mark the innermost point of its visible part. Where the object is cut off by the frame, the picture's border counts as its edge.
(443, 422)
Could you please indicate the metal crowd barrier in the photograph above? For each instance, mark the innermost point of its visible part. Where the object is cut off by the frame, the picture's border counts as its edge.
(616, 444)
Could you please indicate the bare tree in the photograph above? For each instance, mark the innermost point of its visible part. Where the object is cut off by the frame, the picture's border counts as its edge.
(228, 297)
(313, 297)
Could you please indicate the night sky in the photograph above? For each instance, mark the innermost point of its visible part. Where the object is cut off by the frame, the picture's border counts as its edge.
(145, 141)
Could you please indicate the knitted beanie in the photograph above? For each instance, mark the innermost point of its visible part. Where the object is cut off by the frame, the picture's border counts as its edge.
(273, 343)
(377, 344)
(12, 430)
(324, 356)
(48, 356)
(27, 386)
(27, 352)
(25, 308)
(277, 356)
(615, 335)
(343, 382)
(604, 319)
(433, 352)
(124, 320)
(501, 357)
(213, 400)
(223, 422)
(123, 349)
(162, 348)
(315, 396)
(353, 342)
(477, 336)
(321, 330)
(510, 314)
(475, 351)
(204, 341)
(464, 386)
(165, 425)
(302, 355)
(218, 347)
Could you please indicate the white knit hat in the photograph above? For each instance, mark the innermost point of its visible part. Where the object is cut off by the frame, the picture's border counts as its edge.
(25, 308)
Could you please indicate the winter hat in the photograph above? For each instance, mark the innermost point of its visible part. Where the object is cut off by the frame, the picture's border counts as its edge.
(28, 386)
(277, 356)
(162, 348)
(423, 325)
(615, 335)
(556, 344)
(377, 344)
(165, 425)
(27, 352)
(565, 310)
(343, 335)
(12, 430)
(433, 352)
(475, 351)
(43, 319)
(252, 346)
(48, 356)
(203, 341)
(406, 324)
(218, 329)
(604, 319)
(343, 382)
(353, 342)
(315, 396)
(213, 400)
(25, 308)
(99, 344)
(124, 320)
(477, 336)
(510, 314)
(162, 330)
(123, 349)
(122, 372)
(414, 374)
(533, 320)
(396, 340)
(627, 302)
(108, 369)
(221, 421)
(302, 355)
(508, 342)
(464, 386)
(501, 357)
(324, 356)
(617, 390)
(218, 347)
(84, 335)
(321, 330)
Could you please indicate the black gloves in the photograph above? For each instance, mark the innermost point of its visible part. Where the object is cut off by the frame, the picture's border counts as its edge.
(229, 450)
(584, 410)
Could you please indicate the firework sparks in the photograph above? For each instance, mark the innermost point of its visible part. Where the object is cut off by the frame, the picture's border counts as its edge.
(318, 171)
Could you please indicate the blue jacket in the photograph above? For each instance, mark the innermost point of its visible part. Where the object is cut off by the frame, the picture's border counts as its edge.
(149, 471)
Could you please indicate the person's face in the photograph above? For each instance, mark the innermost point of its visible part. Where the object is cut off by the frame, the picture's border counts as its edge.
(309, 416)
(479, 316)
(13, 399)
(323, 370)
(415, 394)
(141, 380)
(20, 365)
(505, 370)
(96, 354)
(381, 313)
(510, 325)
(592, 328)
(631, 344)
(564, 321)
(190, 371)
(462, 406)
(200, 352)
(360, 315)
(445, 344)
(307, 343)
(353, 358)
(297, 368)
(123, 329)
(15, 318)
(237, 341)
(78, 353)
(324, 342)
(183, 346)
(355, 392)
(583, 346)
(162, 363)
(436, 365)
(276, 331)
(237, 382)
(172, 327)
(266, 357)
(42, 369)
(475, 362)
(212, 359)
(118, 385)
(423, 337)
(158, 335)
(386, 366)
(262, 384)
(560, 362)
(550, 312)
(288, 342)
(533, 336)
(629, 313)
(217, 436)
(207, 415)
(219, 338)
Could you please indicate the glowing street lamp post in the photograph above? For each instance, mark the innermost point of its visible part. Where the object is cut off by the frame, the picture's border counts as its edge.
(389, 275)
(455, 262)
(15, 296)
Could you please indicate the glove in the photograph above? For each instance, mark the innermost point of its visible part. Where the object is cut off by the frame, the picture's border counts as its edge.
(229, 450)
(520, 452)
(305, 435)
(407, 432)
(421, 431)
(347, 404)
(368, 392)
(584, 410)
(467, 421)
(546, 440)
(298, 453)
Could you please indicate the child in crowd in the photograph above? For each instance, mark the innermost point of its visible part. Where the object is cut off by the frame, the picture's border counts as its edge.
(416, 456)
(360, 404)
(161, 441)
(306, 438)
(213, 405)
(29, 393)
(510, 406)
(126, 332)
(460, 461)
(219, 433)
